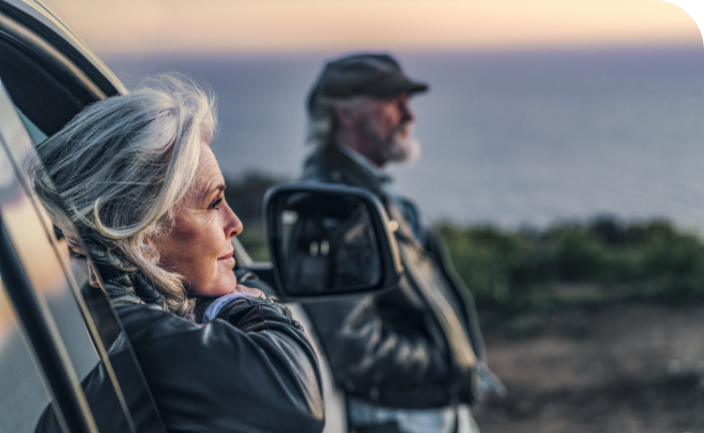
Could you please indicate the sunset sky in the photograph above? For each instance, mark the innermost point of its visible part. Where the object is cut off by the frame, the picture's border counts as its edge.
(144, 26)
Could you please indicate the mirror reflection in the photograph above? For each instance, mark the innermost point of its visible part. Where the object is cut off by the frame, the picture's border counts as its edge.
(326, 243)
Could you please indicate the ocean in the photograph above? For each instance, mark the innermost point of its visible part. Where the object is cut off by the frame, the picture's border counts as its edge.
(523, 138)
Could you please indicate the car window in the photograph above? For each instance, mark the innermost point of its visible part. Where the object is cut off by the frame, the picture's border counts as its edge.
(34, 132)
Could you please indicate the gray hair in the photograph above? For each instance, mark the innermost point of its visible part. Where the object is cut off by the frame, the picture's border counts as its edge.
(121, 166)
(322, 121)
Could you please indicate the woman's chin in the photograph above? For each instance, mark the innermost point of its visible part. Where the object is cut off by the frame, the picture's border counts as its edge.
(224, 285)
(229, 285)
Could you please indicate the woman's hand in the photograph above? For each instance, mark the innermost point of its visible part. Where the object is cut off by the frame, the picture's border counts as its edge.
(250, 291)
(202, 304)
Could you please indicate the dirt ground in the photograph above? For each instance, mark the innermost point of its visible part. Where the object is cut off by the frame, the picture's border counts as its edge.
(622, 368)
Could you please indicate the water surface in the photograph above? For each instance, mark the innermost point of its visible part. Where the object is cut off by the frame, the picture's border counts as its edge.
(512, 138)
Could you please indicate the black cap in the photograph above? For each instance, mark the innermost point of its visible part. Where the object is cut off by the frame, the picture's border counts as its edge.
(375, 75)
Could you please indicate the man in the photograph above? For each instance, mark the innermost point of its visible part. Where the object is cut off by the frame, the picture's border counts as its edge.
(410, 360)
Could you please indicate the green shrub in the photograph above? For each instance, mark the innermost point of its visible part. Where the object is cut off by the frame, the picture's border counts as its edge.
(487, 259)
(602, 260)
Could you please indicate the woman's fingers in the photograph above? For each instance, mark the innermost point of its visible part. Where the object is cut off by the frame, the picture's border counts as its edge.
(250, 291)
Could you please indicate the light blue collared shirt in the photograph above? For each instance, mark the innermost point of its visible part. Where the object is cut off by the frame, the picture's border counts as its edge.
(448, 419)
(214, 309)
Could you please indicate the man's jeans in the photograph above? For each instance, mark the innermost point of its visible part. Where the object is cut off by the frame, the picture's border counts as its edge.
(450, 419)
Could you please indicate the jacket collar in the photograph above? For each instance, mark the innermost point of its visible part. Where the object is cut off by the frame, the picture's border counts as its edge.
(362, 161)
(355, 171)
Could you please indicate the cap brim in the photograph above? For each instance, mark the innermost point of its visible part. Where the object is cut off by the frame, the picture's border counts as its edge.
(417, 87)
(397, 87)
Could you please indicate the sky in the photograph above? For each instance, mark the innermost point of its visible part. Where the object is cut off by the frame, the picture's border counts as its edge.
(233, 26)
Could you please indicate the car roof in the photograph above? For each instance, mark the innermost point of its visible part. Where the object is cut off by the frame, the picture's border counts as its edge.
(45, 22)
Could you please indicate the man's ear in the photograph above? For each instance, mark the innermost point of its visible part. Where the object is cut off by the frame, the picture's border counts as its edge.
(346, 117)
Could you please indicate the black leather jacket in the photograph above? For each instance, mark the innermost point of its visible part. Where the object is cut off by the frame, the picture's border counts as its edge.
(394, 349)
(252, 371)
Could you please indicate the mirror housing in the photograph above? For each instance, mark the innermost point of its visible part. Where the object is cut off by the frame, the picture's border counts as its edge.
(329, 240)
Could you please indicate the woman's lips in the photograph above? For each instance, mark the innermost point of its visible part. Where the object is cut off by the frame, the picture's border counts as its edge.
(227, 258)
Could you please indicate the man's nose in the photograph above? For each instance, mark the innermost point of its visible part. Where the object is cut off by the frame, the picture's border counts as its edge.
(406, 113)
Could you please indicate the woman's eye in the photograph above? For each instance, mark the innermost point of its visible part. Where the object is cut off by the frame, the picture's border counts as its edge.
(215, 204)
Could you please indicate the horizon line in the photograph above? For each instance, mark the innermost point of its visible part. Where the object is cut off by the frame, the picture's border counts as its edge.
(572, 48)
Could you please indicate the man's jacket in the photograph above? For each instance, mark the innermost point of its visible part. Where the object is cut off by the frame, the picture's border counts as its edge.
(417, 346)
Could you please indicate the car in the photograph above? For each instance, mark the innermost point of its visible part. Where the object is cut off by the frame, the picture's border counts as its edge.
(55, 328)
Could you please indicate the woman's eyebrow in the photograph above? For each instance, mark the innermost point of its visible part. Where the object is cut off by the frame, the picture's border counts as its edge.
(210, 191)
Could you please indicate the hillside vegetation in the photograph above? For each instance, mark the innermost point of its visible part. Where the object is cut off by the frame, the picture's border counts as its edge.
(602, 260)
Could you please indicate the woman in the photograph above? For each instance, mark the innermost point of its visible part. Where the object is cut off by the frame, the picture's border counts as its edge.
(145, 193)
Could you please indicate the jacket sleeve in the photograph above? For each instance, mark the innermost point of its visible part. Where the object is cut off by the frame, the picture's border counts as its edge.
(365, 351)
(252, 370)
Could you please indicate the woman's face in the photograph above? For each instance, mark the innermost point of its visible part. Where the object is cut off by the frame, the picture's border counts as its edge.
(198, 245)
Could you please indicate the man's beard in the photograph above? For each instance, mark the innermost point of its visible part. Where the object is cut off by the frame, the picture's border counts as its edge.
(399, 146)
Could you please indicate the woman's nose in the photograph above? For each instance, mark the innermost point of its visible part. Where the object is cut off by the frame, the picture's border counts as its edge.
(233, 225)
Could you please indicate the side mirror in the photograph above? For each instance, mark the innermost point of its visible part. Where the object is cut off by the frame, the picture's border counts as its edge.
(329, 240)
